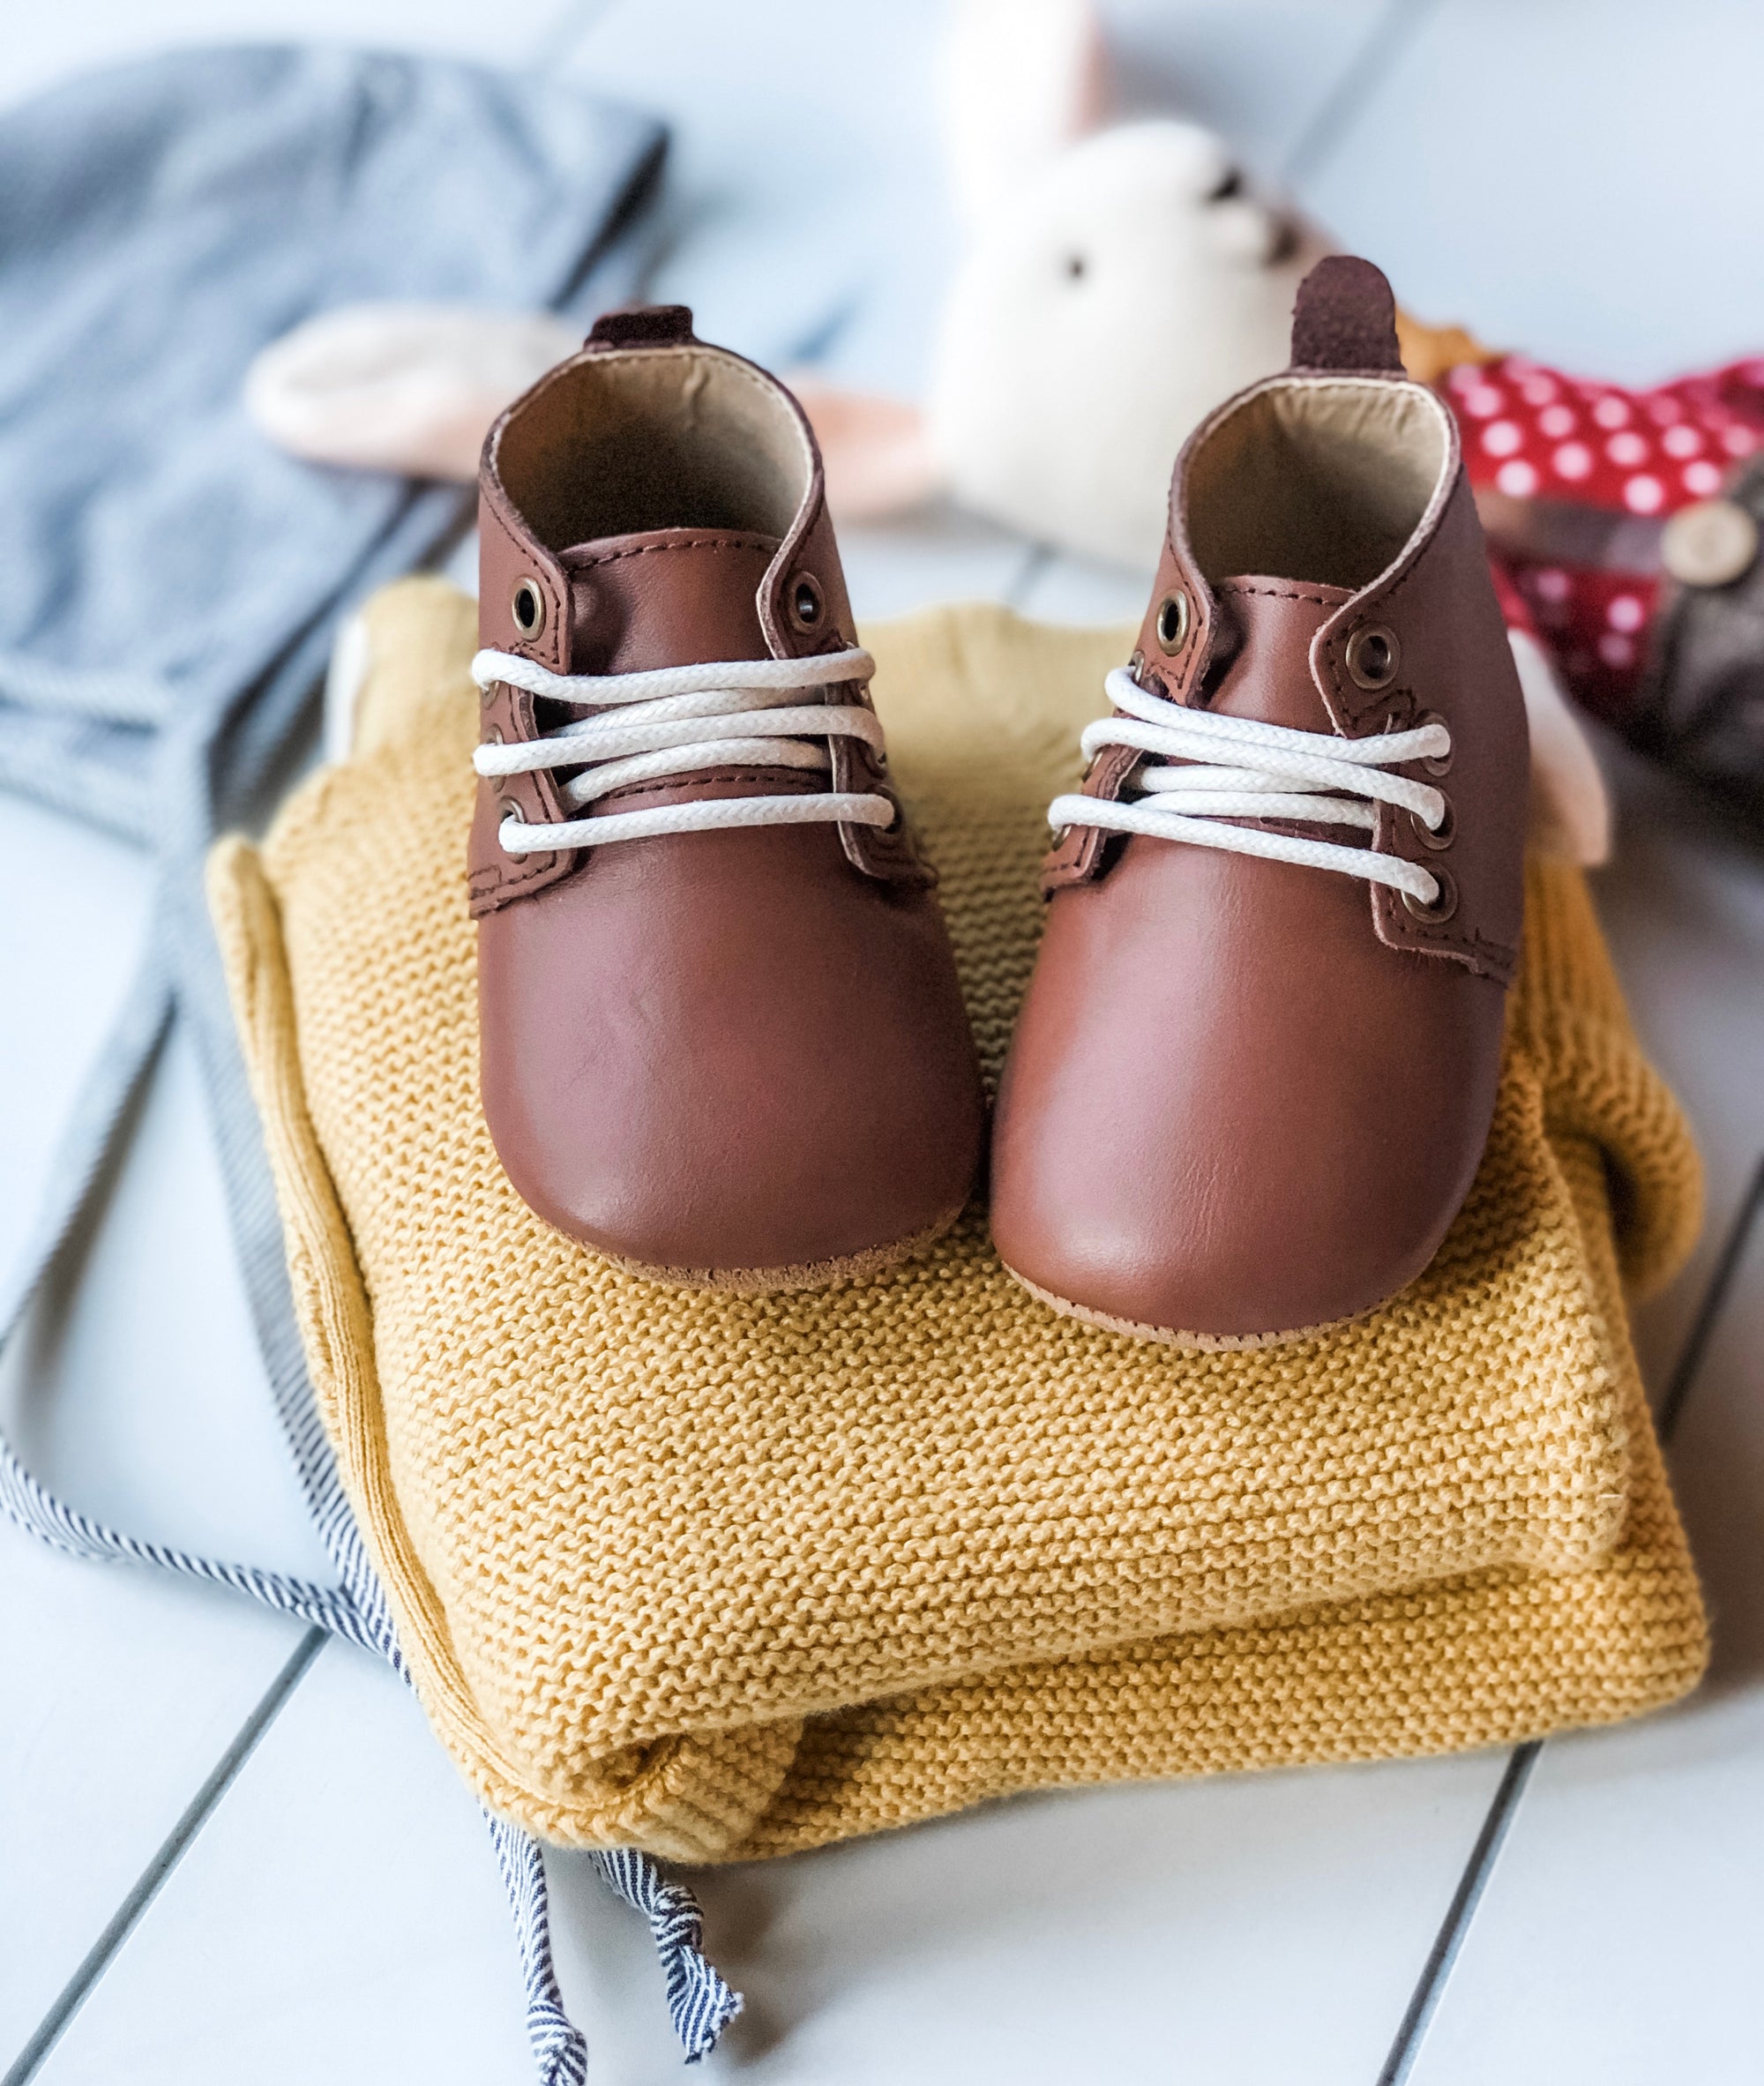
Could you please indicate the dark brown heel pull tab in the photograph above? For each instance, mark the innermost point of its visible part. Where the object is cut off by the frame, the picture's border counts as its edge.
(1345, 318)
(643, 325)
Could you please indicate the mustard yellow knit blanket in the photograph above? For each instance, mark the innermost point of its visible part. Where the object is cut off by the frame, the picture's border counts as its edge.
(722, 1575)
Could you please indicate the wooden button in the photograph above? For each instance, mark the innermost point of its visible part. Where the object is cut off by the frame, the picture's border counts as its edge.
(1710, 544)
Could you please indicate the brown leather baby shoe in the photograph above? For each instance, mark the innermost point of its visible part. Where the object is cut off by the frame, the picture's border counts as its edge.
(1255, 1070)
(722, 1041)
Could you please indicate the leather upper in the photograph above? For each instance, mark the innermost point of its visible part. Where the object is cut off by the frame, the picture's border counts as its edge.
(619, 605)
(1455, 662)
(729, 1056)
(1247, 1096)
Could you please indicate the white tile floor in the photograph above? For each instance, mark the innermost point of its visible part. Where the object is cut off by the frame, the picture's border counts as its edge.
(1577, 179)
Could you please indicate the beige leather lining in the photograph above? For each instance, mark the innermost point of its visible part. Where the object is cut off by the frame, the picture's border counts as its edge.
(1319, 482)
(625, 445)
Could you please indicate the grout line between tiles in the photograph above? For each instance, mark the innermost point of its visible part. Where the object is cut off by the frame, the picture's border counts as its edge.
(1374, 57)
(558, 42)
(1036, 559)
(1431, 1986)
(127, 1916)
(1709, 1312)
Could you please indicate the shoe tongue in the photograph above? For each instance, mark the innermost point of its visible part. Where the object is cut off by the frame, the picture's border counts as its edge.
(668, 597)
(1264, 633)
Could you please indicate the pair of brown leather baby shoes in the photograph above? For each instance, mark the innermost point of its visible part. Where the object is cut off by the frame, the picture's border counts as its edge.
(722, 1038)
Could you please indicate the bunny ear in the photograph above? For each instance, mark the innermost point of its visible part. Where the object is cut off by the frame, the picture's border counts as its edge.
(1570, 806)
(411, 388)
(1021, 79)
(877, 455)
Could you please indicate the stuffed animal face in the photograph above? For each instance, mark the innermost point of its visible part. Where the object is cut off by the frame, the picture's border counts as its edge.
(1108, 304)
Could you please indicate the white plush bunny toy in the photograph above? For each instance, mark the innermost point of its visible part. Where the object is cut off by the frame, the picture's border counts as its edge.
(1117, 282)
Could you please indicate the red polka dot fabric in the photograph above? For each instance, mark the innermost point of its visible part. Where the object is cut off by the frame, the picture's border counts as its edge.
(1537, 435)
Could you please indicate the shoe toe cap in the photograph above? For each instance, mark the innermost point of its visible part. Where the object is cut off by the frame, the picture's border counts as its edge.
(728, 1082)
(1247, 1144)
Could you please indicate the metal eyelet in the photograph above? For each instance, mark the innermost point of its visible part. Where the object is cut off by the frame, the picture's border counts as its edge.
(1439, 764)
(806, 605)
(1444, 902)
(526, 605)
(1373, 656)
(1170, 627)
(1437, 837)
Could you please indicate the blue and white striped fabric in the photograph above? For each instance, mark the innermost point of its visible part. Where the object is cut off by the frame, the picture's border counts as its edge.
(173, 588)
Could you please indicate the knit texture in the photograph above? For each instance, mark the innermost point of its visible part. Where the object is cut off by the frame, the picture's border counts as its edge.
(720, 1575)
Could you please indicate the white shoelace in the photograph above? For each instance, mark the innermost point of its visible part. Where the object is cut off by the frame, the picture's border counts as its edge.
(1237, 768)
(674, 721)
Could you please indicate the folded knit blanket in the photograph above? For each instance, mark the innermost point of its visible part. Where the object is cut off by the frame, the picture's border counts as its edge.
(722, 1575)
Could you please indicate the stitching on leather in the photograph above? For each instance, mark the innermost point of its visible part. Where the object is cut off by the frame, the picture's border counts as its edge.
(494, 877)
(503, 888)
(1499, 955)
(732, 541)
(1470, 941)
(530, 871)
(733, 775)
(1279, 594)
(1476, 938)
(500, 876)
